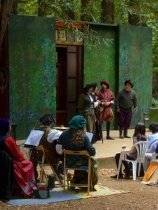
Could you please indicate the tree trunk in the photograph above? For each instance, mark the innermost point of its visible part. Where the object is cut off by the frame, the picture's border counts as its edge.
(71, 14)
(5, 10)
(107, 11)
(41, 8)
(86, 10)
(15, 8)
(133, 18)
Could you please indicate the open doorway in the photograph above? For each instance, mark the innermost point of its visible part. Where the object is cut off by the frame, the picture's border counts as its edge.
(69, 82)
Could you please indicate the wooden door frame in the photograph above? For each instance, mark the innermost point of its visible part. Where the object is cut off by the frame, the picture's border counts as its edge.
(79, 78)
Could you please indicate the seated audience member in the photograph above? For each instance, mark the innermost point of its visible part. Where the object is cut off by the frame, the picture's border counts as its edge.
(139, 135)
(153, 144)
(47, 121)
(48, 141)
(23, 171)
(154, 130)
(75, 139)
(52, 136)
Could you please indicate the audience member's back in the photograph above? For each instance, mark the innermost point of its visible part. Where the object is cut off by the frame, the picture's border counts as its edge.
(154, 136)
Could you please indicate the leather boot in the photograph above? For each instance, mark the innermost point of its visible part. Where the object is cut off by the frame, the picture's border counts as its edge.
(108, 131)
(125, 134)
(120, 133)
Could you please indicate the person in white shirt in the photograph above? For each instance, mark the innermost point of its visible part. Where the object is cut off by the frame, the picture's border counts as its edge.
(49, 141)
(153, 144)
(53, 134)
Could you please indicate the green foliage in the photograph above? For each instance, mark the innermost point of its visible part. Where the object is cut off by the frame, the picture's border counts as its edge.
(96, 11)
(121, 11)
(28, 8)
(76, 7)
(147, 11)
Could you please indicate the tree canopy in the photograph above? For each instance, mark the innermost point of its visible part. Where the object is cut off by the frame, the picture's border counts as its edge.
(136, 12)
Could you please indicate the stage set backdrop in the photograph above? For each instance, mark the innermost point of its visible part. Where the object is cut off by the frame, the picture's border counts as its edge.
(109, 52)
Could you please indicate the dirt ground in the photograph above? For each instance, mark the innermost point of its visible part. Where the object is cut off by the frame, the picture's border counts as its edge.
(138, 196)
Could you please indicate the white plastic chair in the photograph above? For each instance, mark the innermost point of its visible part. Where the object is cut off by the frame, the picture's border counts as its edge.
(141, 147)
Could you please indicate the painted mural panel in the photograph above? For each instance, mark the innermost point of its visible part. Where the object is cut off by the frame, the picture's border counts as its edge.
(99, 58)
(32, 60)
(135, 63)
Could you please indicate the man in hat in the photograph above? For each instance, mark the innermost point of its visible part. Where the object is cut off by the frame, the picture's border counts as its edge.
(106, 97)
(125, 101)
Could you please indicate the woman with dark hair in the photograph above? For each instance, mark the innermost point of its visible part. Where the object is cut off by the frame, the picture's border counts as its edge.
(139, 135)
(106, 96)
(22, 167)
(139, 132)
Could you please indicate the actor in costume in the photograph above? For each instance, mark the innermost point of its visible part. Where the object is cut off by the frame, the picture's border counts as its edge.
(106, 96)
(98, 135)
(76, 139)
(126, 100)
(86, 106)
(22, 168)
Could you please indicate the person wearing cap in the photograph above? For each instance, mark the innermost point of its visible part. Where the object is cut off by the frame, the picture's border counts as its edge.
(125, 101)
(47, 121)
(23, 171)
(76, 139)
(86, 106)
(106, 96)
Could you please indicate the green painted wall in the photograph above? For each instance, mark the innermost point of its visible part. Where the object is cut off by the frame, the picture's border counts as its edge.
(135, 63)
(99, 59)
(122, 52)
(32, 66)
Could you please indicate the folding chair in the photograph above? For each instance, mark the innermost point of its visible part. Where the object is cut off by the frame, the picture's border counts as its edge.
(86, 168)
(141, 147)
(45, 168)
